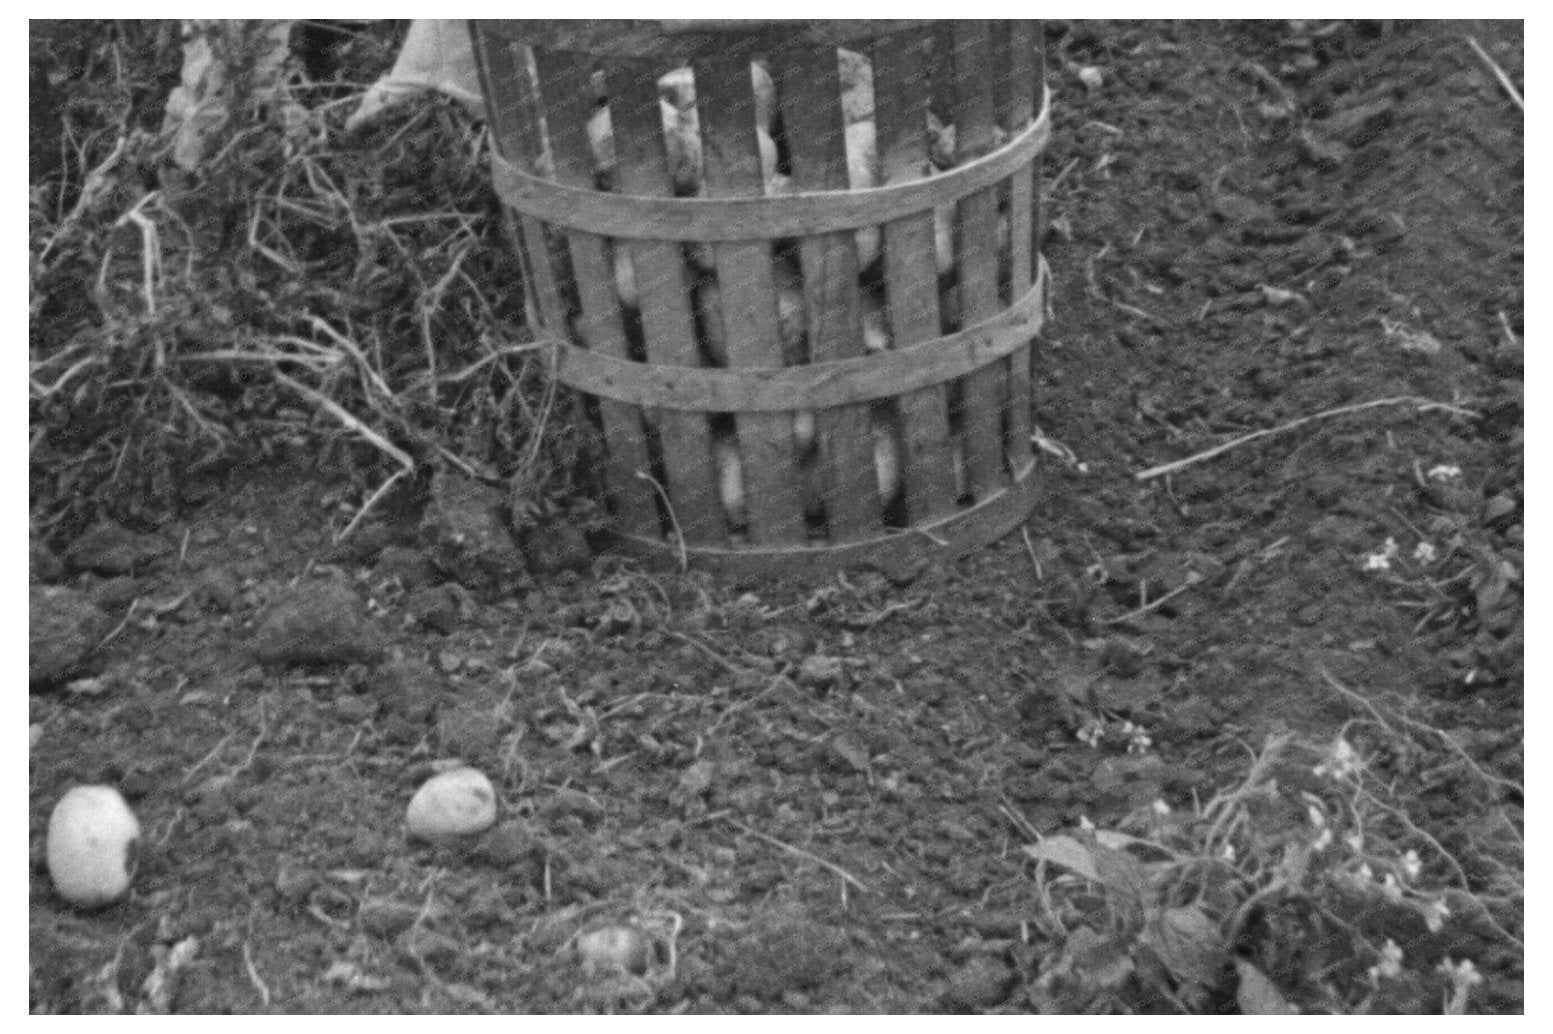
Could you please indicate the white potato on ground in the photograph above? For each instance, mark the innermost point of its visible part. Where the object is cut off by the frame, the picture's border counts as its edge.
(615, 949)
(91, 841)
(454, 804)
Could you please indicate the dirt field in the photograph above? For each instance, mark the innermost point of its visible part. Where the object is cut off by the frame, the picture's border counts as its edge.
(818, 798)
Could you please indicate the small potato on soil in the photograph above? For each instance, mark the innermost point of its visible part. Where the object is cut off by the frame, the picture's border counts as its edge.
(91, 842)
(615, 948)
(454, 804)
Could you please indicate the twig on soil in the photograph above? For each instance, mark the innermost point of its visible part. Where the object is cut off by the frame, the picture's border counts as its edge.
(258, 741)
(719, 658)
(366, 507)
(1424, 405)
(1192, 578)
(253, 976)
(1019, 822)
(941, 543)
(1509, 335)
(1133, 310)
(1504, 80)
(1024, 529)
(1051, 188)
(122, 625)
(800, 852)
(202, 762)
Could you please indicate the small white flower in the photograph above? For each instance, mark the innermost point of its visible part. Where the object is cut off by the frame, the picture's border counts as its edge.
(1382, 561)
(1390, 965)
(1160, 808)
(1341, 764)
(1463, 977)
(1355, 844)
(1366, 874)
(1435, 914)
(1391, 889)
(1463, 974)
(1229, 852)
(1323, 841)
(1085, 824)
(1411, 864)
(1425, 553)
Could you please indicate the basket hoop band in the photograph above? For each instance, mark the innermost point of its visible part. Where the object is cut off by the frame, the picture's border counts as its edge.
(627, 217)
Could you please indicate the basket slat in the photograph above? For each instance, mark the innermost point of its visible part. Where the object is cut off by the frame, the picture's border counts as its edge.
(747, 289)
(985, 392)
(569, 107)
(508, 81)
(1016, 67)
(910, 264)
(809, 88)
(661, 284)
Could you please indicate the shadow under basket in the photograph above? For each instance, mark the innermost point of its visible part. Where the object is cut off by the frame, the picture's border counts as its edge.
(793, 269)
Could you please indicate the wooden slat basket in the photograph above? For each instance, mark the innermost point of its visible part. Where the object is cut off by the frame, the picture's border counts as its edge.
(794, 268)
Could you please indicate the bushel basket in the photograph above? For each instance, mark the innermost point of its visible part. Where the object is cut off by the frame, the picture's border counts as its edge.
(792, 267)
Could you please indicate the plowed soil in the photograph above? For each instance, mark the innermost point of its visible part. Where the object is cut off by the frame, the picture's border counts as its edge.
(816, 794)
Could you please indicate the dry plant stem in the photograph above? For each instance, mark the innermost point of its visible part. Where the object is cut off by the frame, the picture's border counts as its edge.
(253, 976)
(1191, 580)
(544, 418)
(495, 356)
(1051, 188)
(1018, 821)
(1450, 744)
(345, 417)
(366, 507)
(150, 262)
(43, 391)
(431, 300)
(1450, 859)
(202, 762)
(1424, 405)
(1509, 335)
(464, 465)
(1024, 530)
(679, 536)
(1504, 80)
(1219, 808)
(97, 182)
(121, 626)
(801, 853)
(936, 540)
(719, 658)
(365, 368)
